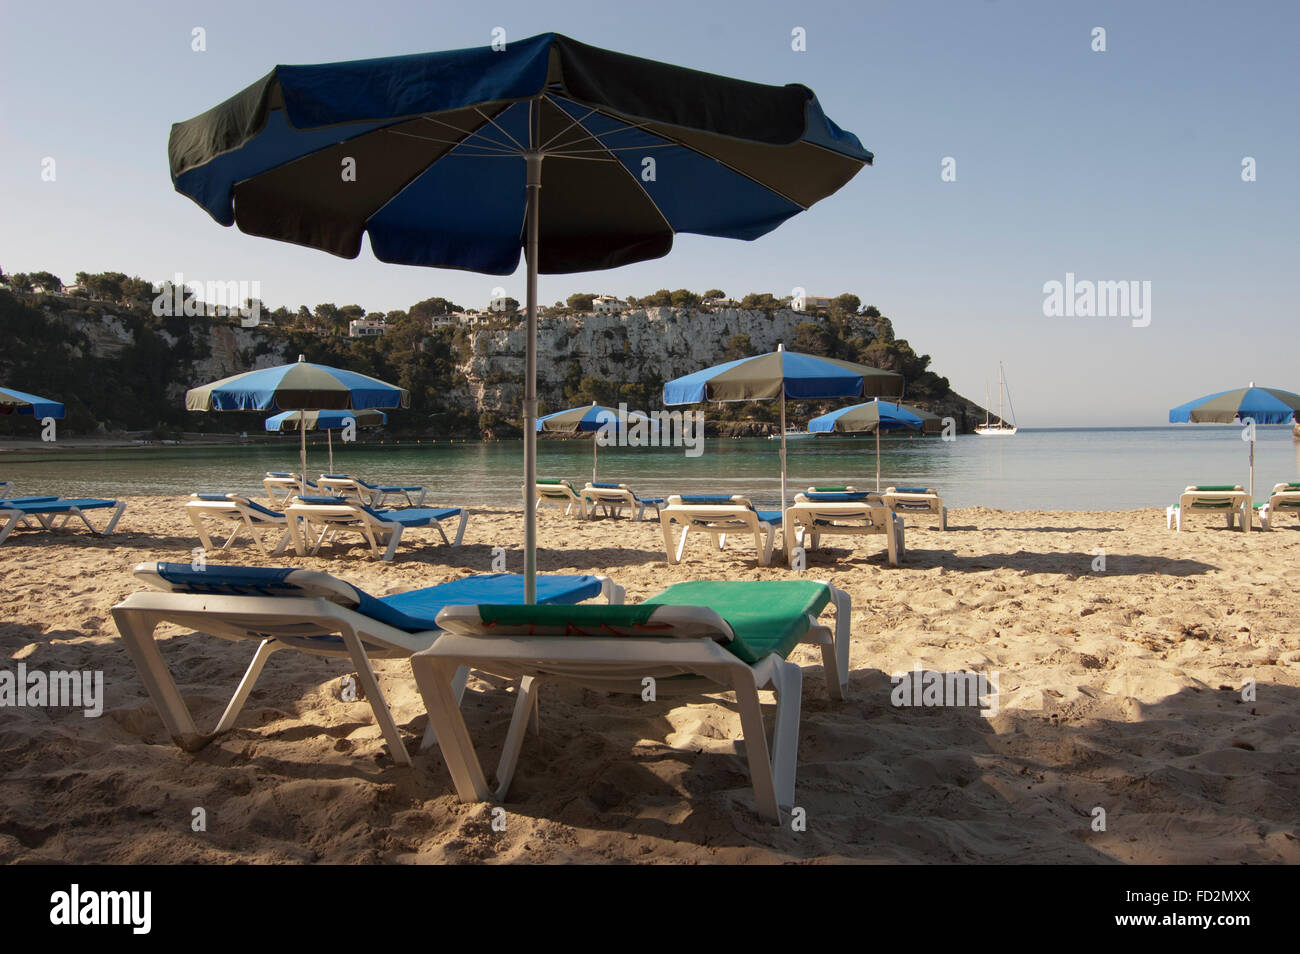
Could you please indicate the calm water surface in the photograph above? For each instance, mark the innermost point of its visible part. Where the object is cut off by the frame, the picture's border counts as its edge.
(1054, 469)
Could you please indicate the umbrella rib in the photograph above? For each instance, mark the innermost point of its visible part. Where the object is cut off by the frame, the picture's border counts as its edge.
(497, 126)
(502, 150)
(572, 123)
(468, 133)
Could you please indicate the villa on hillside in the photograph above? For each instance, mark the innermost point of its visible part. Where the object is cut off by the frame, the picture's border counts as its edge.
(608, 305)
(367, 327)
(812, 303)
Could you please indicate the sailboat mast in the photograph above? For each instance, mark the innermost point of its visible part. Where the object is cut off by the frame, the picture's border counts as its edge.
(1001, 421)
(986, 402)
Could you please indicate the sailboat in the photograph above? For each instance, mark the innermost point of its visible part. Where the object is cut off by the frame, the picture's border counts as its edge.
(1001, 428)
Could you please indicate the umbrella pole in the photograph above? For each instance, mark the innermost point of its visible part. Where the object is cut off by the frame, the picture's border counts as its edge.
(533, 161)
(594, 444)
(302, 452)
(329, 437)
(1252, 468)
(785, 540)
(877, 445)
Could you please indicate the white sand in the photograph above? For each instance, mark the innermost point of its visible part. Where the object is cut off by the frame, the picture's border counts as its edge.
(1119, 689)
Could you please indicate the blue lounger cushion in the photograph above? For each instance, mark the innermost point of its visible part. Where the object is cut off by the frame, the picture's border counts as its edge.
(413, 516)
(22, 500)
(412, 612)
(59, 505)
(857, 497)
(765, 516)
(252, 505)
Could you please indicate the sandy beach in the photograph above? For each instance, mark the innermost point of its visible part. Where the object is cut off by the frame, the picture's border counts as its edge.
(1120, 689)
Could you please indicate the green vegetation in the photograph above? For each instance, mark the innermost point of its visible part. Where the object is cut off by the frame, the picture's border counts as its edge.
(122, 368)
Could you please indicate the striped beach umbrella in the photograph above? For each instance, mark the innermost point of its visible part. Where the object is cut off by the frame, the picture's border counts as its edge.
(327, 421)
(1249, 405)
(778, 375)
(299, 386)
(20, 402)
(580, 158)
(593, 419)
(872, 417)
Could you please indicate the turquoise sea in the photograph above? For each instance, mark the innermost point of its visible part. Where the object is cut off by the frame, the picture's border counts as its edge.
(1039, 468)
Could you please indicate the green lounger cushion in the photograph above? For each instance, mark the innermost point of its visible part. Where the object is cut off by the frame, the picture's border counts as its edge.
(765, 616)
(832, 489)
(1230, 488)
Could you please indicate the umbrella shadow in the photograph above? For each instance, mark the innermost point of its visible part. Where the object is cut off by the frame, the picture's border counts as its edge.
(1067, 563)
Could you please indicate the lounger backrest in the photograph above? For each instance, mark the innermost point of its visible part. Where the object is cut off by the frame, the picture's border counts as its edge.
(601, 485)
(1214, 488)
(248, 581)
(323, 501)
(639, 620)
(908, 490)
(857, 497)
(710, 500)
(832, 489)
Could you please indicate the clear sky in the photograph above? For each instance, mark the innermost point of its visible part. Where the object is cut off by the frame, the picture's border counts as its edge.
(1123, 165)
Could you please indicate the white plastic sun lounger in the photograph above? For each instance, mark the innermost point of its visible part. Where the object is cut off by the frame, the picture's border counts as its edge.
(718, 515)
(1229, 500)
(914, 501)
(311, 612)
(373, 494)
(1285, 498)
(699, 638)
(850, 513)
(553, 492)
(53, 513)
(244, 513)
(314, 521)
(281, 485)
(613, 498)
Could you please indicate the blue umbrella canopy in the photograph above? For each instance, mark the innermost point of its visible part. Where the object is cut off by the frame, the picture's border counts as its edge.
(591, 419)
(779, 374)
(326, 421)
(20, 402)
(1261, 405)
(866, 418)
(299, 386)
(579, 157)
(872, 417)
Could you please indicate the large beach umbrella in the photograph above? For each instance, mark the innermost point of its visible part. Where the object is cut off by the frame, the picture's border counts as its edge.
(872, 417)
(1261, 405)
(327, 421)
(20, 402)
(299, 386)
(593, 419)
(781, 374)
(579, 157)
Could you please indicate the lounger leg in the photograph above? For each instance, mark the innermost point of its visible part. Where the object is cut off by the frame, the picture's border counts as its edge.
(236, 704)
(835, 657)
(393, 541)
(458, 688)
(460, 530)
(525, 710)
(788, 682)
(378, 705)
(137, 633)
(434, 677)
(765, 553)
(15, 518)
(891, 540)
(943, 518)
(681, 544)
(755, 740)
(202, 530)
